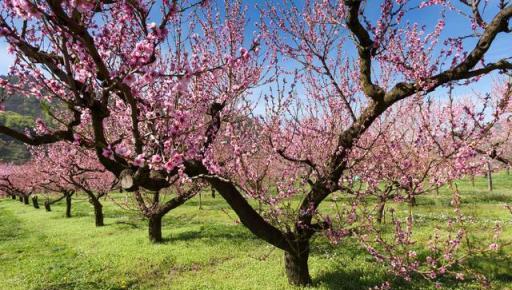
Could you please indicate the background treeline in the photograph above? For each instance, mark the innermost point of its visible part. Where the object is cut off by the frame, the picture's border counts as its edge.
(20, 113)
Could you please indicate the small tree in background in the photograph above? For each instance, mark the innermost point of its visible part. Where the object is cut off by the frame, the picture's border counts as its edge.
(75, 168)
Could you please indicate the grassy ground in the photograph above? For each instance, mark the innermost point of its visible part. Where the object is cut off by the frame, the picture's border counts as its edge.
(208, 249)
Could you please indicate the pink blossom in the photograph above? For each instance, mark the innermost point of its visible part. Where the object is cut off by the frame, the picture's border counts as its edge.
(122, 150)
(108, 153)
(139, 161)
(155, 159)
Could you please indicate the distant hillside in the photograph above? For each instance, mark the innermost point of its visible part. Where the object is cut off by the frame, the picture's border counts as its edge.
(20, 114)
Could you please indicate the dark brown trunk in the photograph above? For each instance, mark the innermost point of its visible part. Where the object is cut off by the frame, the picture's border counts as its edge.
(296, 265)
(25, 200)
(98, 214)
(68, 205)
(247, 215)
(213, 192)
(35, 203)
(20, 198)
(412, 201)
(13, 197)
(155, 228)
(98, 207)
(47, 205)
(380, 211)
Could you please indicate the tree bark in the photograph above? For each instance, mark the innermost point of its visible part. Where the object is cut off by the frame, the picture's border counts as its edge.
(68, 205)
(35, 203)
(98, 213)
(94, 200)
(247, 215)
(47, 205)
(155, 228)
(412, 201)
(25, 200)
(296, 265)
(380, 211)
(13, 197)
(20, 198)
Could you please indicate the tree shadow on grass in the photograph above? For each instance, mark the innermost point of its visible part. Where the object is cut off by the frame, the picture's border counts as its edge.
(496, 268)
(486, 197)
(213, 234)
(81, 285)
(80, 214)
(127, 224)
(340, 279)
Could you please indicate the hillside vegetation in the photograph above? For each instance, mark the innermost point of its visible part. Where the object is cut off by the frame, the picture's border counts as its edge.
(20, 115)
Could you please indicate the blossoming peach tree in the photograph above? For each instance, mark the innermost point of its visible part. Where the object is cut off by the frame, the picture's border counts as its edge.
(14, 181)
(168, 71)
(164, 104)
(73, 168)
(415, 148)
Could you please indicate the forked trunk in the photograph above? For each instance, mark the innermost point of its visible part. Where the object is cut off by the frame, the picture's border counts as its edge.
(296, 265)
(35, 203)
(155, 228)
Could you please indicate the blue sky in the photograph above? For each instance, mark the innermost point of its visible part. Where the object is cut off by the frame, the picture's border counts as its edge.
(454, 26)
(6, 59)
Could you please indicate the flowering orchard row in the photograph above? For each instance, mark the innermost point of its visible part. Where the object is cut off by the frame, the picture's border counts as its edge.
(324, 97)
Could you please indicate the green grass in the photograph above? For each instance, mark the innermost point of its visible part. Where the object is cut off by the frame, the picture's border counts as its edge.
(208, 249)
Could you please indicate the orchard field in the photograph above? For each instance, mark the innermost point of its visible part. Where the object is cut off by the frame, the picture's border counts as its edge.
(255, 144)
(208, 249)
